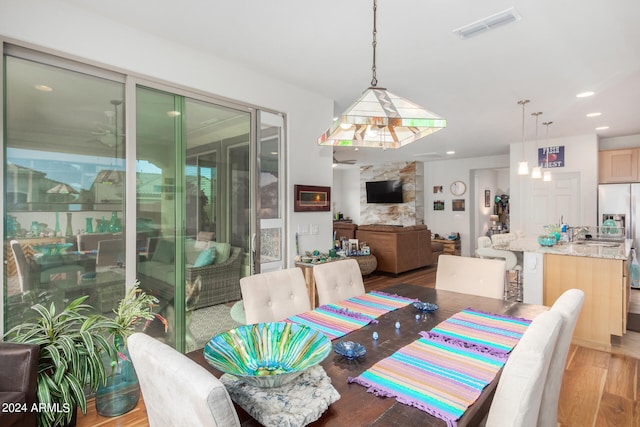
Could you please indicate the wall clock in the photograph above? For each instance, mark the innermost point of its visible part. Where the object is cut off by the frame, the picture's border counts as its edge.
(458, 188)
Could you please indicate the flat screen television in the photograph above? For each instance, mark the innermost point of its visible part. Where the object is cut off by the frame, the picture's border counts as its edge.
(389, 191)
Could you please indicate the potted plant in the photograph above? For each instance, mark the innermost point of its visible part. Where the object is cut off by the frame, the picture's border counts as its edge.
(121, 391)
(71, 343)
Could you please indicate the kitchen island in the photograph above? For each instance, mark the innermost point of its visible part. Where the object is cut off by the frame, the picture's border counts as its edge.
(598, 268)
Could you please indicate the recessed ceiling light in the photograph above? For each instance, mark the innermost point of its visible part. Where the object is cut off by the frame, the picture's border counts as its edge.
(450, 152)
(274, 153)
(594, 114)
(173, 113)
(602, 128)
(585, 94)
(43, 88)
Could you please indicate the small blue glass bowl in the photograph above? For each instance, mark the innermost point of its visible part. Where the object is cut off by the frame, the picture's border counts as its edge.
(349, 349)
(425, 307)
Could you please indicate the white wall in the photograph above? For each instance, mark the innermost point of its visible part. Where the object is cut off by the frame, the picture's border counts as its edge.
(347, 183)
(445, 172)
(581, 157)
(99, 40)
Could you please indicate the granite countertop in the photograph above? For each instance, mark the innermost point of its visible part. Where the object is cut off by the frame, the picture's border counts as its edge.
(591, 249)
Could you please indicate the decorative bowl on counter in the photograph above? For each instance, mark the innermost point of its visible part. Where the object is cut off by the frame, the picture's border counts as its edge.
(349, 349)
(425, 307)
(547, 240)
(267, 354)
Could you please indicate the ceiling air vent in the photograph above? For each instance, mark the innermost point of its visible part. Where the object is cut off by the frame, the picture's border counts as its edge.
(489, 23)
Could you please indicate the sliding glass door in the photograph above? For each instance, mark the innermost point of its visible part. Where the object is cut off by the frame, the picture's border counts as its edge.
(193, 205)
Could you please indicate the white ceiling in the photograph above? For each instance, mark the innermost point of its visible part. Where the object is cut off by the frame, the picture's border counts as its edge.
(557, 49)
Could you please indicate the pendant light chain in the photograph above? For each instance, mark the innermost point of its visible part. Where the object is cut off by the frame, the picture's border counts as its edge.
(547, 143)
(374, 79)
(523, 103)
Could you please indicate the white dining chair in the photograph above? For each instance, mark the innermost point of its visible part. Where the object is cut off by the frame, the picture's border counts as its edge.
(568, 305)
(176, 390)
(486, 250)
(516, 402)
(470, 275)
(338, 280)
(274, 295)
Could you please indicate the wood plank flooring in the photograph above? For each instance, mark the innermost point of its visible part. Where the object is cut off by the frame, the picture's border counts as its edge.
(598, 389)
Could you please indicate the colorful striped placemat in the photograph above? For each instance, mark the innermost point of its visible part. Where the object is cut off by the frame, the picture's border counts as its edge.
(338, 319)
(445, 374)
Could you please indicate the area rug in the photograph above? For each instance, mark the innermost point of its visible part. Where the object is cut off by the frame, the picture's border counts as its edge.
(210, 321)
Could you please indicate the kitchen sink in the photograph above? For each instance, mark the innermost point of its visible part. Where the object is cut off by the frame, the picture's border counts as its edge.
(603, 243)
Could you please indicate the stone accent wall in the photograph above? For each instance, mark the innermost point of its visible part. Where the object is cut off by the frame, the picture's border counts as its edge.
(411, 212)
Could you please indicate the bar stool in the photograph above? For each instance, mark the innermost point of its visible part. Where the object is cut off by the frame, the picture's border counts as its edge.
(511, 289)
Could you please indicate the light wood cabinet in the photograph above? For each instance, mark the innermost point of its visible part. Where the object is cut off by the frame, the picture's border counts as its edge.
(619, 165)
(606, 288)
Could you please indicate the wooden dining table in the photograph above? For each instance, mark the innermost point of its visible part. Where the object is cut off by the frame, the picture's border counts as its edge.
(356, 407)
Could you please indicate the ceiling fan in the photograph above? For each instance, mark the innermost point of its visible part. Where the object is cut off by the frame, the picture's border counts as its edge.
(108, 134)
(337, 162)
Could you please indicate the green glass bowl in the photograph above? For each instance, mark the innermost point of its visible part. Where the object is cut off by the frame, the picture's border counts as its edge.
(547, 240)
(267, 354)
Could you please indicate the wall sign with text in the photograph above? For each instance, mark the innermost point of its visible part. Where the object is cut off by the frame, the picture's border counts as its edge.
(556, 157)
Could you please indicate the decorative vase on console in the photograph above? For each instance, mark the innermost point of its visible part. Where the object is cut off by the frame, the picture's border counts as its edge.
(69, 230)
(89, 226)
(115, 225)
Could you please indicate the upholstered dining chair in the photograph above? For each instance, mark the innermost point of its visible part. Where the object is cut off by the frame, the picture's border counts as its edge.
(274, 295)
(338, 280)
(176, 390)
(519, 392)
(568, 305)
(475, 276)
(485, 250)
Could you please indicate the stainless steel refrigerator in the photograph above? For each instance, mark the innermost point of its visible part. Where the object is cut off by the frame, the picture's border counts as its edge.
(619, 202)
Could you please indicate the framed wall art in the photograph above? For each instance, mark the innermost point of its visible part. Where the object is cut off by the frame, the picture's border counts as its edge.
(457, 205)
(310, 198)
(487, 198)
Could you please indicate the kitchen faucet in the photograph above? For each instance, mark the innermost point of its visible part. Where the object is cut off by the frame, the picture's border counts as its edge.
(574, 232)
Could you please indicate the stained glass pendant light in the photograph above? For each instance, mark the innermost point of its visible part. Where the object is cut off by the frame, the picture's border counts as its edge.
(536, 172)
(379, 118)
(523, 166)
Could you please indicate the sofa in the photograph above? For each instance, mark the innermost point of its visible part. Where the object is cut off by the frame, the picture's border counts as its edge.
(218, 264)
(18, 383)
(398, 249)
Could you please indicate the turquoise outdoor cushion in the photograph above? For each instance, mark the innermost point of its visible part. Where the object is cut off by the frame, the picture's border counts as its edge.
(223, 251)
(206, 257)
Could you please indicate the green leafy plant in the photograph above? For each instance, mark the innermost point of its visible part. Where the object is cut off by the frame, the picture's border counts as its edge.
(71, 343)
(135, 307)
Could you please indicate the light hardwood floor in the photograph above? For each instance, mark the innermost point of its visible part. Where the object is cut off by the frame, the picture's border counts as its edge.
(598, 389)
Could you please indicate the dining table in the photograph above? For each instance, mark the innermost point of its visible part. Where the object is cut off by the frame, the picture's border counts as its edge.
(357, 407)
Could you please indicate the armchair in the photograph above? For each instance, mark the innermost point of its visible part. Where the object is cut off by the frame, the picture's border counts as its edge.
(220, 279)
(18, 382)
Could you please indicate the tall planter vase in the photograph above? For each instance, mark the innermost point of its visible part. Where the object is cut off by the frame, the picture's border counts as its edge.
(121, 392)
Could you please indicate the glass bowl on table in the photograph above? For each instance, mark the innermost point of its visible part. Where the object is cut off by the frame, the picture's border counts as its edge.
(349, 350)
(267, 354)
(52, 248)
(424, 307)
